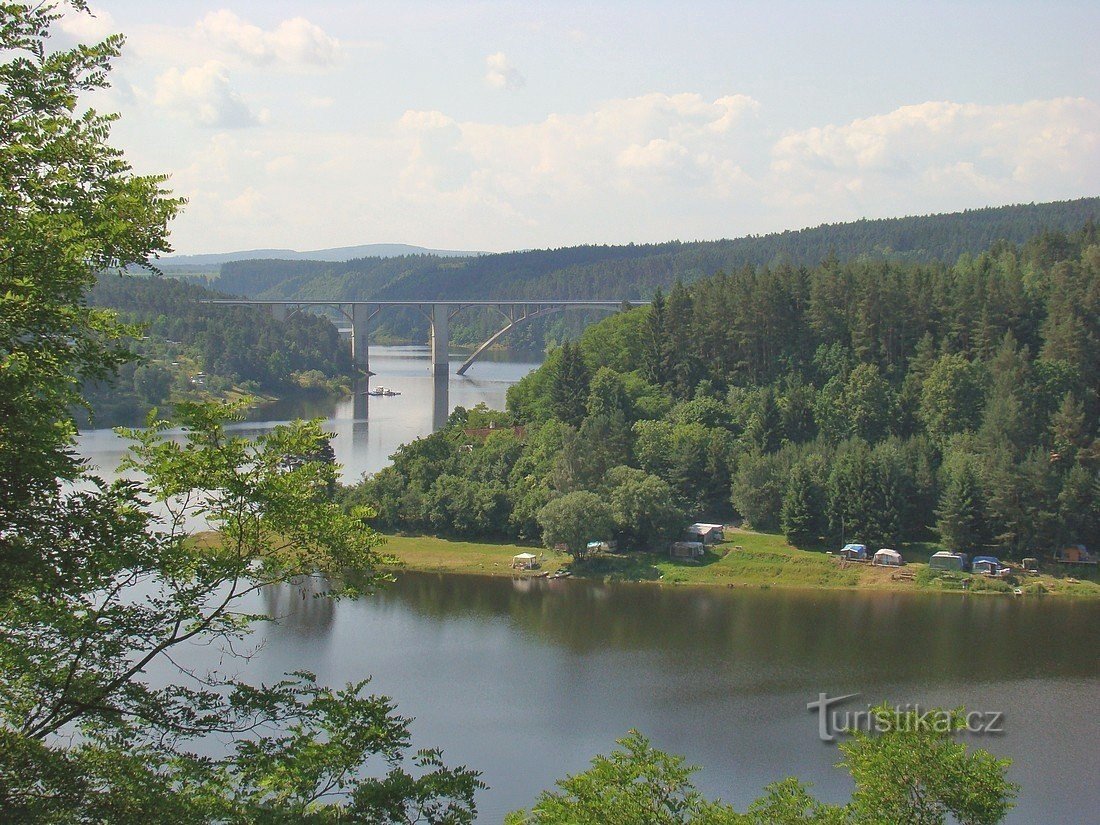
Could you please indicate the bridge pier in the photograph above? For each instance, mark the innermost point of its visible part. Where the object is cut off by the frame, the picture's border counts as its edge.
(360, 352)
(441, 339)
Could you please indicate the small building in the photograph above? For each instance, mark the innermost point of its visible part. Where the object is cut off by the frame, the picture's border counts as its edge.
(1074, 554)
(988, 566)
(687, 550)
(887, 558)
(598, 547)
(524, 561)
(704, 533)
(854, 552)
(947, 561)
(1031, 565)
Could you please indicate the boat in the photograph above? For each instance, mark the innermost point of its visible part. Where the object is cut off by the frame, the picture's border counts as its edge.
(379, 391)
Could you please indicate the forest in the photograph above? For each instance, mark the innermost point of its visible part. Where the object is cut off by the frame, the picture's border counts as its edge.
(873, 400)
(177, 337)
(631, 272)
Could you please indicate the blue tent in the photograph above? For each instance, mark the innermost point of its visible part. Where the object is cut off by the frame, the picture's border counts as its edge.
(985, 564)
(854, 551)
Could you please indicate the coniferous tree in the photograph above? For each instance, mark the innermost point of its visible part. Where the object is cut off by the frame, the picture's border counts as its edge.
(803, 506)
(570, 389)
(961, 515)
(655, 342)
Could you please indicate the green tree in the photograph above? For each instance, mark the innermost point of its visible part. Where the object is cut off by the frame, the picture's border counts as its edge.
(951, 397)
(608, 395)
(152, 383)
(97, 589)
(961, 516)
(802, 515)
(570, 388)
(913, 771)
(869, 403)
(643, 507)
(575, 519)
(633, 785)
(910, 770)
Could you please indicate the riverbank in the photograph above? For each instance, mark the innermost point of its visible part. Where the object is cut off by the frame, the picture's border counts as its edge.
(757, 560)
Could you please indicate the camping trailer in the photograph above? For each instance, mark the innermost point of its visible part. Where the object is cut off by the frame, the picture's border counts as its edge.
(887, 558)
(947, 561)
(854, 552)
(1074, 554)
(988, 565)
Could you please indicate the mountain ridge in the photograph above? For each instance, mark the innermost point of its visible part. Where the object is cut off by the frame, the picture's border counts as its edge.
(338, 254)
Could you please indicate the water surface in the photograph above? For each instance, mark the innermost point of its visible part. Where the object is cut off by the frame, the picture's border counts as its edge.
(526, 680)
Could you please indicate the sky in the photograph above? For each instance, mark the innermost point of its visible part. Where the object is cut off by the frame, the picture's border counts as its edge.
(495, 126)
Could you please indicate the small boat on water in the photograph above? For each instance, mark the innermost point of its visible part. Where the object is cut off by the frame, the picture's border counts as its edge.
(379, 391)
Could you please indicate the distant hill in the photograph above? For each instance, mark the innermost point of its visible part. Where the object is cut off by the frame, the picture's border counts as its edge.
(341, 253)
(634, 271)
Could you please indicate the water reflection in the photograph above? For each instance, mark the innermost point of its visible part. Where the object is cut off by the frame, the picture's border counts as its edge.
(527, 679)
(367, 430)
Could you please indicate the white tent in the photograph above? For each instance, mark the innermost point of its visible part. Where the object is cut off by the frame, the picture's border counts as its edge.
(524, 561)
(887, 558)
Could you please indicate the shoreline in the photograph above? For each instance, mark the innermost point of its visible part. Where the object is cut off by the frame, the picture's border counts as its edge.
(759, 561)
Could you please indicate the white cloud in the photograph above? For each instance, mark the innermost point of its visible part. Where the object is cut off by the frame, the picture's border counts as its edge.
(93, 25)
(296, 41)
(1026, 151)
(204, 94)
(501, 73)
(656, 166)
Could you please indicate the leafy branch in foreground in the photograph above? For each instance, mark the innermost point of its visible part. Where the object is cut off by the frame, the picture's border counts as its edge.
(912, 770)
(106, 585)
(75, 652)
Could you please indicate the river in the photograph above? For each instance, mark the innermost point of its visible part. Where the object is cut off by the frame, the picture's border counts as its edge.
(526, 680)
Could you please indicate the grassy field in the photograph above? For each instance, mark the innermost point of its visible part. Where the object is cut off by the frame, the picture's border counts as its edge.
(746, 560)
(443, 556)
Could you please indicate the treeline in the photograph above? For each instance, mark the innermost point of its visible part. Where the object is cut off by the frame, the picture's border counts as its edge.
(878, 401)
(631, 272)
(233, 346)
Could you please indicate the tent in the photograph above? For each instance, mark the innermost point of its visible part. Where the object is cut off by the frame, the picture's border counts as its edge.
(946, 561)
(853, 551)
(524, 561)
(687, 550)
(704, 533)
(1075, 554)
(989, 565)
(887, 558)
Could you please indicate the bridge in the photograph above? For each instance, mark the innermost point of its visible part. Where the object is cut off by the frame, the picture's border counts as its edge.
(439, 315)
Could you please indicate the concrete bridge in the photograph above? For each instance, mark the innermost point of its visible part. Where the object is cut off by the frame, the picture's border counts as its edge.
(439, 315)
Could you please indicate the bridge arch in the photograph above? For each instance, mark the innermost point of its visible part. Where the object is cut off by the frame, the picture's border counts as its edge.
(515, 322)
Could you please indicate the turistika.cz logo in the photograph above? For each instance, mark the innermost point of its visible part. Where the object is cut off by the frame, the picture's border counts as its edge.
(833, 722)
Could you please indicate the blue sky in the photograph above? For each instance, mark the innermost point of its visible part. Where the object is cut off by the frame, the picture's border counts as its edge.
(498, 126)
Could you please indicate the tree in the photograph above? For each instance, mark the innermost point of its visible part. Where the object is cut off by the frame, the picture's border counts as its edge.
(152, 383)
(655, 348)
(570, 388)
(868, 403)
(99, 585)
(608, 395)
(635, 784)
(913, 771)
(961, 517)
(909, 770)
(575, 519)
(951, 397)
(802, 516)
(643, 507)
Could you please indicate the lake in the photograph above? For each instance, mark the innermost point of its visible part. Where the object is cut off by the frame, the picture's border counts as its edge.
(526, 680)
(367, 430)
